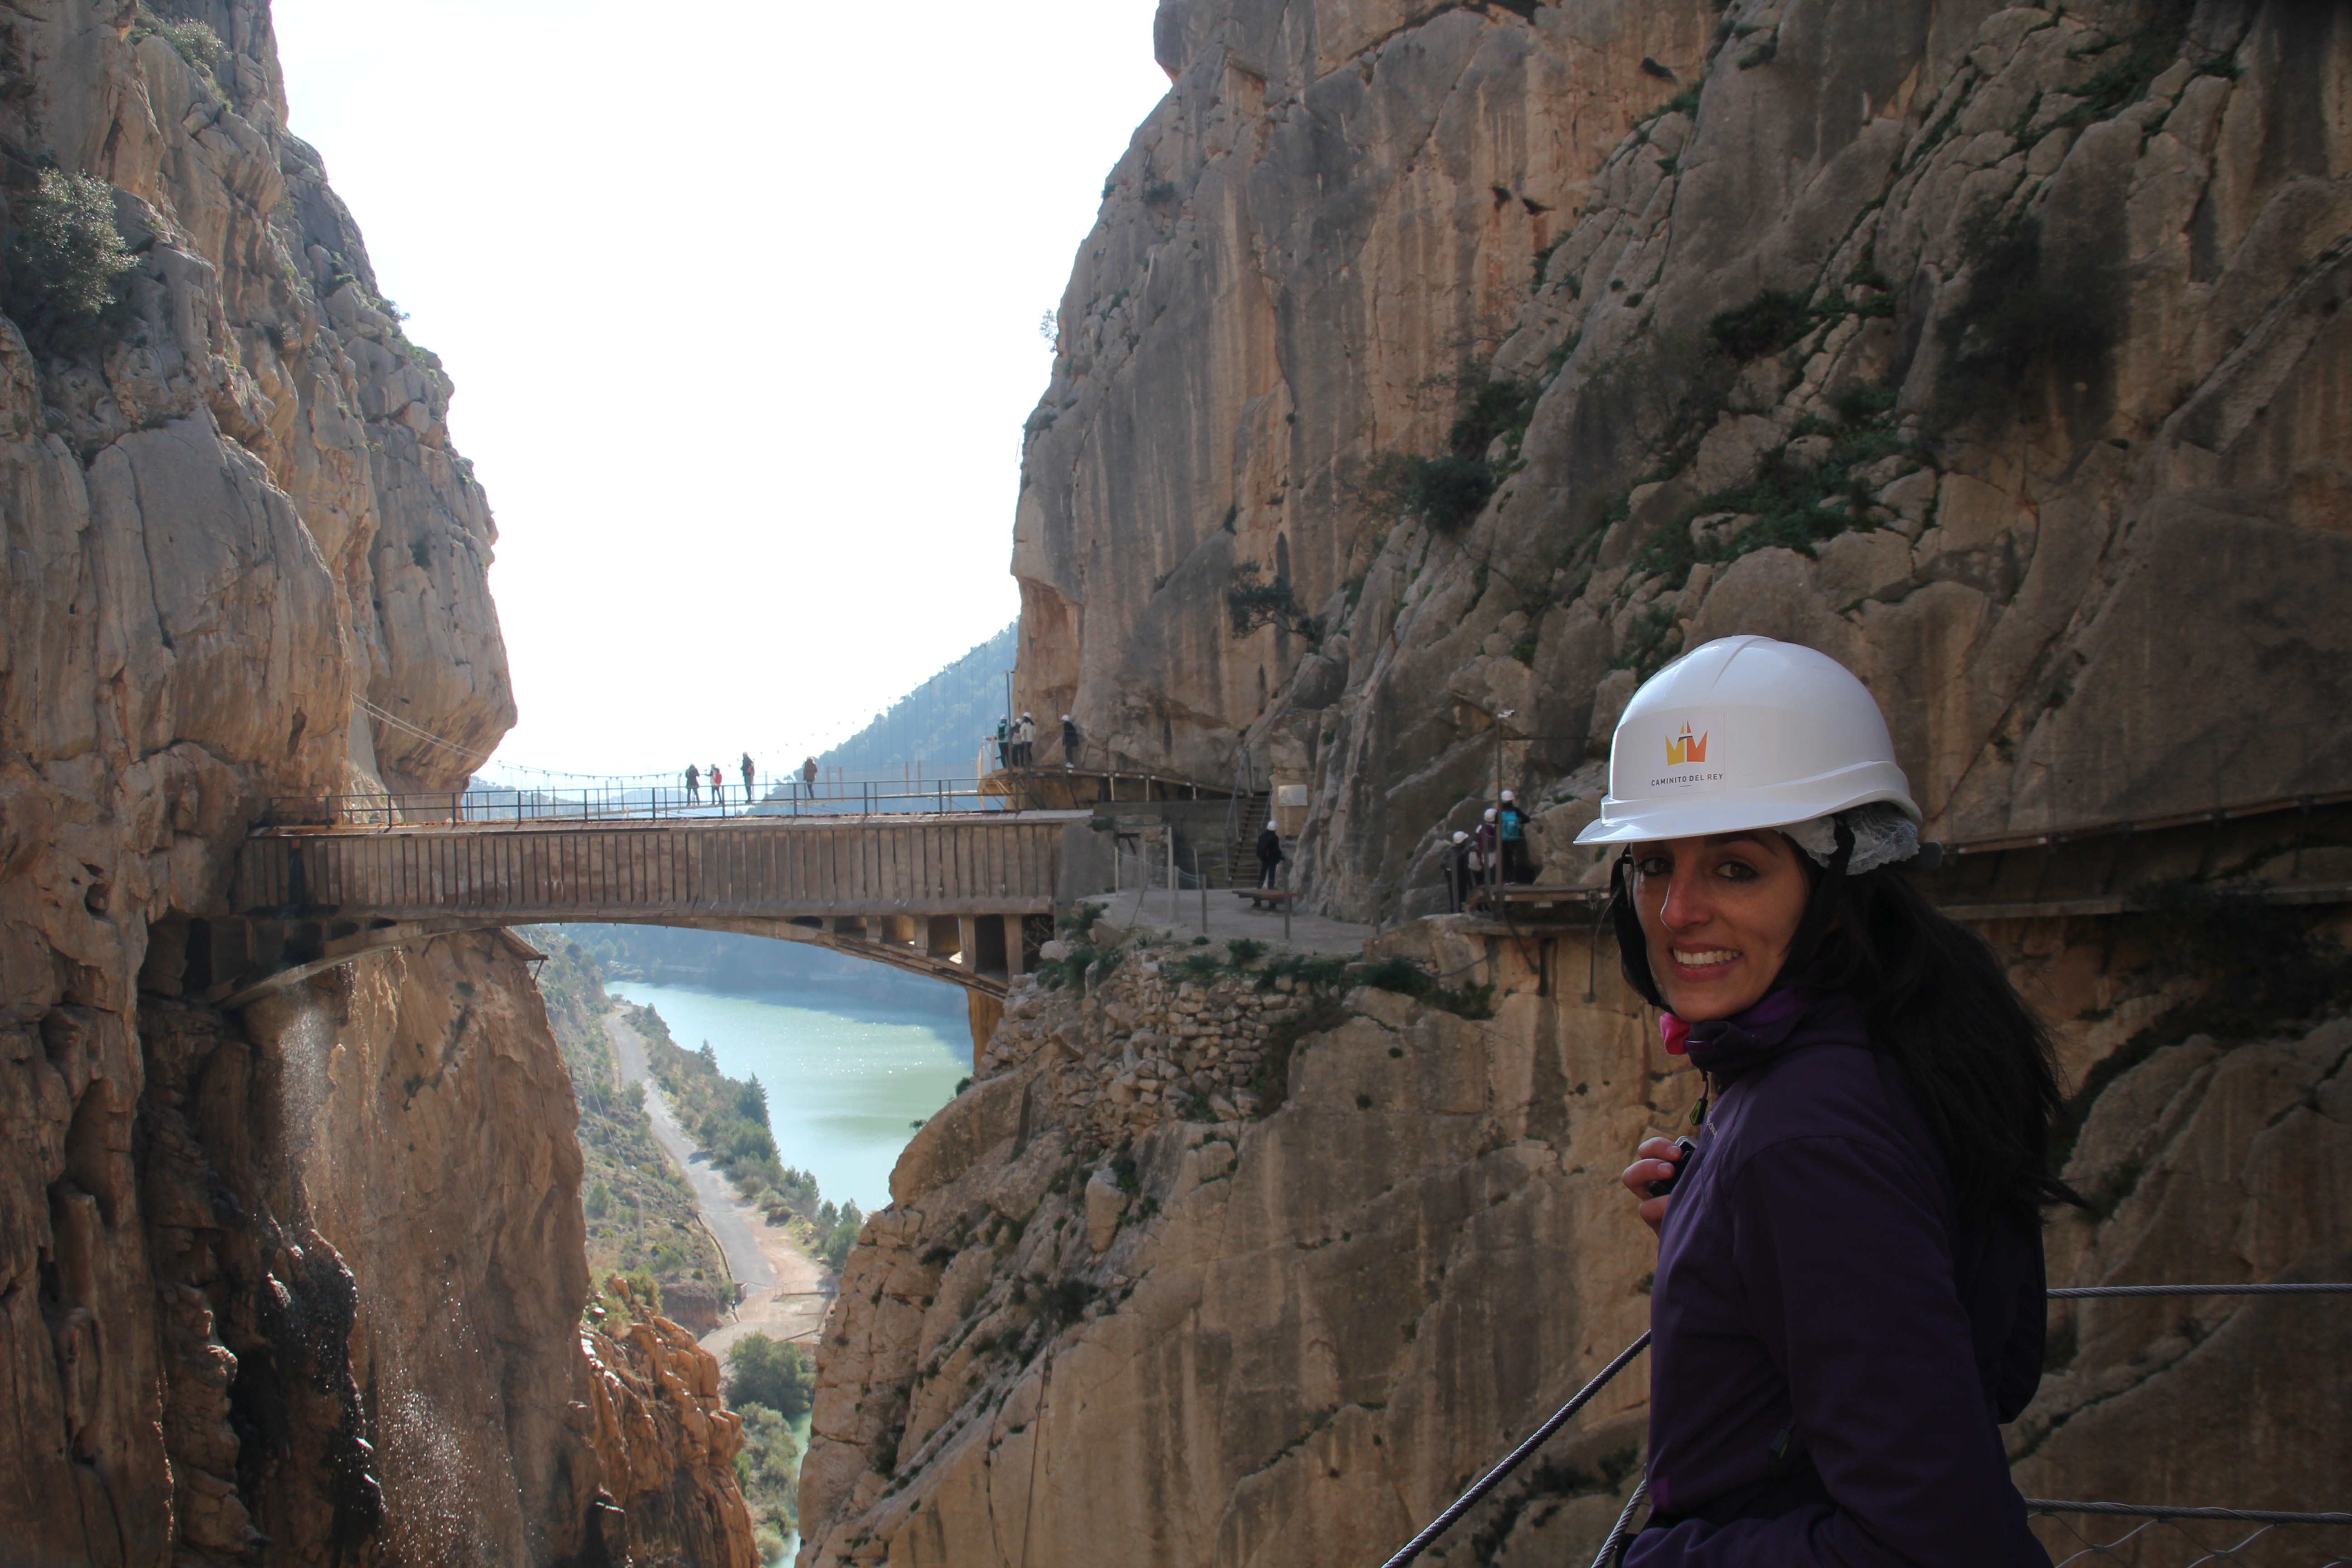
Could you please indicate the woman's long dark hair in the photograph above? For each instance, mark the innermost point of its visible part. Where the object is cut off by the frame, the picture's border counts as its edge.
(1981, 1066)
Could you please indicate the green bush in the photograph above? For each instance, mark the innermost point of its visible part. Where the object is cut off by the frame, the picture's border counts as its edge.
(1197, 967)
(1399, 975)
(1253, 603)
(67, 259)
(1447, 493)
(1407, 978)
(1496, 408)
(1860, 403)
(1766, 324)
(195, 42)
(768, 1468)
(770, 1372)
(834, 1248)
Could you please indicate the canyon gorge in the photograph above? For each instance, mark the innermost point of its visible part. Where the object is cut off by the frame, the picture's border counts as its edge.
(1434, 372)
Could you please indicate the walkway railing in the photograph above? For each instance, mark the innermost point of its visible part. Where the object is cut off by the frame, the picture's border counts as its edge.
(2216, 1534)
(624, 800)
(624, 803)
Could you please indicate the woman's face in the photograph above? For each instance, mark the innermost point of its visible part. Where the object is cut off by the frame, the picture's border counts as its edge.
(1719, 914)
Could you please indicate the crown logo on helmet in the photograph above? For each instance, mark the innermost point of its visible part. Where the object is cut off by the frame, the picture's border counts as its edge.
(1684, 749)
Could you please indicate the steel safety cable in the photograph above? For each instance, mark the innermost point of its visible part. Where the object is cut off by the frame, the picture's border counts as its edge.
(1516, 1457)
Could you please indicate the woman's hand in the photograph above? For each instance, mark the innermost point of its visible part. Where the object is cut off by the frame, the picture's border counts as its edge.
(1655, 1165)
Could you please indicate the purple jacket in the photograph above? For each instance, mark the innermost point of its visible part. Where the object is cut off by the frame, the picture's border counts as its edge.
(1833, 1349)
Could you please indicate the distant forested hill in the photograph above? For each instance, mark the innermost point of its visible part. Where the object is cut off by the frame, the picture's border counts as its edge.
(940, 722)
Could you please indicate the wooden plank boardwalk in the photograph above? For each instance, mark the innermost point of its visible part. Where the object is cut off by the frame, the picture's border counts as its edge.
(776, 867)
(965, 896)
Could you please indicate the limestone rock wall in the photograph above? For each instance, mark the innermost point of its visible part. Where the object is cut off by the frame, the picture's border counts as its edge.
(668, 1444)
(1220, 1341)
(1089, 1327)
(1329, 221)
(301, 1285)
(1993, 350)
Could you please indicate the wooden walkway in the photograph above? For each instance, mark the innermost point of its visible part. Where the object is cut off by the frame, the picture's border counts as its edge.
(965, 896)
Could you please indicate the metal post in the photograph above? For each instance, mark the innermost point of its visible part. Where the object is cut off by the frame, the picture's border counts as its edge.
(1286, 904)
(1203, 884)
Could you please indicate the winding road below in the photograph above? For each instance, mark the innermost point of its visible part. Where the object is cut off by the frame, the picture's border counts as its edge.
(785, 1290)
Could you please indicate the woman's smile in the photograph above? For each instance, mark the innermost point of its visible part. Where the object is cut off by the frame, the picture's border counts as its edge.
(1719, 916)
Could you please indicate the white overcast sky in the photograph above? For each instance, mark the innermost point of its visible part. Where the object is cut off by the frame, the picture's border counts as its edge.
(742, 306)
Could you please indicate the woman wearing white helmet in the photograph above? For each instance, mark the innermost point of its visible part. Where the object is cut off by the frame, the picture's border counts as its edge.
(1849, 1291)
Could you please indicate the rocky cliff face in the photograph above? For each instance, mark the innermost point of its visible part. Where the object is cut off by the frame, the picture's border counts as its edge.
(300, 1286)
(1102, 1321)
(668, 1444)
(1995, 350)
(1515, 346)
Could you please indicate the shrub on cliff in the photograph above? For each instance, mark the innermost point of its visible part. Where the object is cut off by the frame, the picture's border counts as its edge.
(194, 42)
(1253, 603)
(1445, 492)
(65, 261)
(773, 1373)
(1766, 324)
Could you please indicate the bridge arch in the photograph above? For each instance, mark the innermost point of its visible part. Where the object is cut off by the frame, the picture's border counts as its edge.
(967, 898)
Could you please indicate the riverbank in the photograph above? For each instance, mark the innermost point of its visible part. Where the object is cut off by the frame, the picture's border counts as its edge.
(844, 1084)
(785, 1291)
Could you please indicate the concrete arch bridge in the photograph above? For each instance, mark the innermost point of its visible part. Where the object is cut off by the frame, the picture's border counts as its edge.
(964, 897)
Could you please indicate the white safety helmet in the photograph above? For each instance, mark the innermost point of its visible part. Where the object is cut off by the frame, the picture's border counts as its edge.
(1065, 718)
(1270, 827)
(1509, 797)
(1747, 733)
(1490, 814)
(1460, 836)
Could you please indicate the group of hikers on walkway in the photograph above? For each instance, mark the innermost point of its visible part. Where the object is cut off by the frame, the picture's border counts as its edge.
(1495, 853)
(1016, 742)
(714, 779)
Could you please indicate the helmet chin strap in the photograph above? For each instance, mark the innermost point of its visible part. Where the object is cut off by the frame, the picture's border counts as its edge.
(1820, 907)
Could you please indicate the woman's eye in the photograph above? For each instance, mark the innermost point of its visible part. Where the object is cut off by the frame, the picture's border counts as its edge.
(1653, 866)
(1737, 871)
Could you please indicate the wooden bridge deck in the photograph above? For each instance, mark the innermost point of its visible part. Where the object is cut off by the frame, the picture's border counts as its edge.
(957, 864)
(965, 897)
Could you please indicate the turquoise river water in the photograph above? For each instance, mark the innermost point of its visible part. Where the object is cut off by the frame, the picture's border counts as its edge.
(844, 1081)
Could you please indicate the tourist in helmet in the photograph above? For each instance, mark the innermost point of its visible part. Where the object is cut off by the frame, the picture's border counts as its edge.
(1458, 875)
(1269, 854)
(1511, 825)
(1849, 1291)
(1486, 851)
